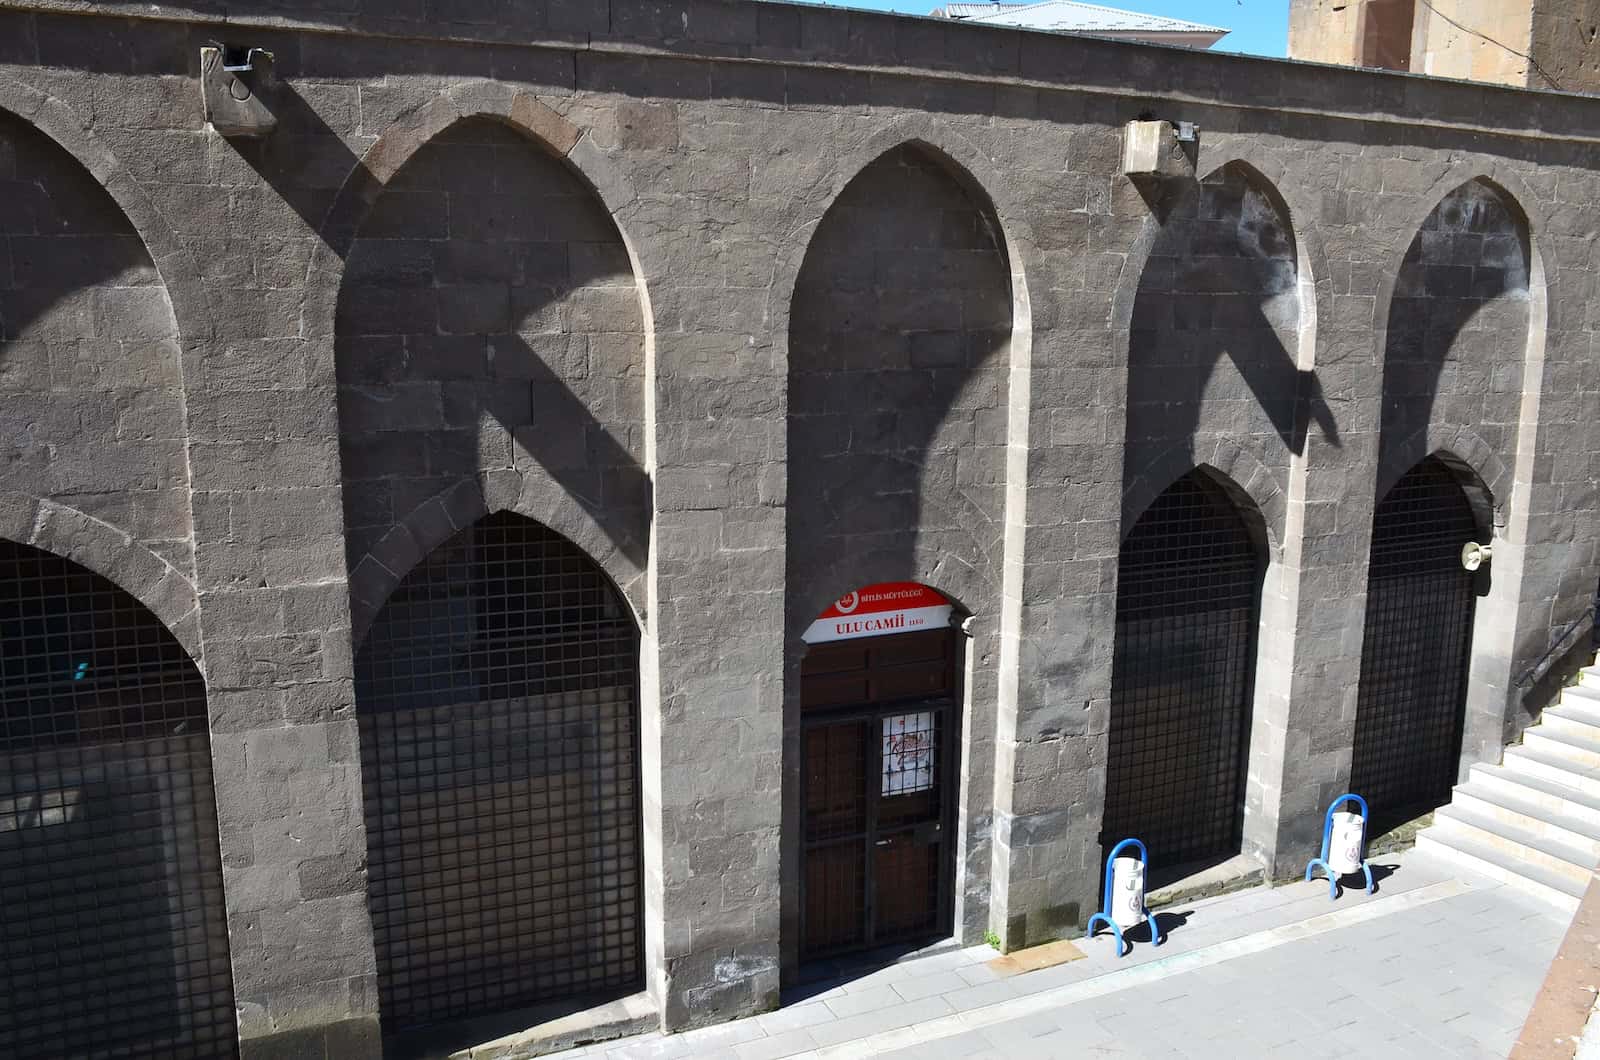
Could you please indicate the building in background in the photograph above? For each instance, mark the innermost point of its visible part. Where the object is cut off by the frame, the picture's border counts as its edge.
(530, 508)
(1092, 20)
(1529, 43)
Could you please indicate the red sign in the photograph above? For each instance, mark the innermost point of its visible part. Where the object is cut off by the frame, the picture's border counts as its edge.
(878, 610)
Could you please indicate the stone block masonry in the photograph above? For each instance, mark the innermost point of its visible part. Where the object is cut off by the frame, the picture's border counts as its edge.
(757, 304)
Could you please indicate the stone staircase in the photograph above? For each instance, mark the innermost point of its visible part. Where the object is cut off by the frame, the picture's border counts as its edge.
(1534, 820)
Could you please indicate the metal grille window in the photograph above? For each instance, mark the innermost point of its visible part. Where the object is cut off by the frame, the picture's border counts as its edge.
(113, 938)
(1187, 592)
(498, 702)
(1411, 703)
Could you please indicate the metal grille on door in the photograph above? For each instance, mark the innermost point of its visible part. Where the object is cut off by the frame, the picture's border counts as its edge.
(1411, 702)
(113, 938)
(1187, 591)
(498, 702)
(875, 785)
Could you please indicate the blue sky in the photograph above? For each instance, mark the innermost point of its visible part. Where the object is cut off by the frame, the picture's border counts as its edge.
(1260, 27)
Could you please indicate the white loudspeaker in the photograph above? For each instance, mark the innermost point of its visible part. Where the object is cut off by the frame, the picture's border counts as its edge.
(1474, 555)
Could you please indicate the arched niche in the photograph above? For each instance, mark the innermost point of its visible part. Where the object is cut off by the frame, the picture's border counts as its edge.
(111, 899)
(898, 343)
(489, 327)
(497, 694)
(1189, 579)
(901, 329)
(90, 373)
(1457, 337)
(1417, 643)
(1215, 332)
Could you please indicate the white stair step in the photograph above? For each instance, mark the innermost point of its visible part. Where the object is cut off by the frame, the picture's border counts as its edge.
(1548, 795)
(1575, 715)
(1582, 693)
(1550, 886)
(1529, 815)
(1517, 842)
(1589, 675)
(1582, 751)
(1552, 767)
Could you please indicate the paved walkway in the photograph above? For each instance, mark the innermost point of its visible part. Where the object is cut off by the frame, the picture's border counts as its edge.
(1439, 963)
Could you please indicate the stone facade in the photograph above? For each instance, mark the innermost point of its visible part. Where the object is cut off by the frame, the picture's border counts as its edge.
(758, 303)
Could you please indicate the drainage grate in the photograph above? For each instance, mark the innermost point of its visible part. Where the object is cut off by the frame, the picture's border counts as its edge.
(1188, 585)
(498, 703)
(113, 938)
(1411, 703)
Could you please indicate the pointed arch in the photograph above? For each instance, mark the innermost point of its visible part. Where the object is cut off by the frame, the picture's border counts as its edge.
(436, 520)
(1189, 579)
(1416, 643)
(109, 553)
(1476, 466)
(62, 125)
(395, 146)
(908, 352)
(497, 694)
(87, 295)
(1221, 334)
(112, 902)
(1251, 486)
(491, 339)
(1465, 330)
(898, 363)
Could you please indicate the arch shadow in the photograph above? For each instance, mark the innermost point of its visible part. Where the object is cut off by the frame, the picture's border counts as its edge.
(102, 549)
(175, 266)
(898, 386)
(1249, 484)
(1225, 280)
(1463, 331)
(494, 308)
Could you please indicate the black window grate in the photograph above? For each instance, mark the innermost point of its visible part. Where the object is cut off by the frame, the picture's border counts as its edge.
(497, 694)
(113, 936)
(1411, 703)
(1187, 593)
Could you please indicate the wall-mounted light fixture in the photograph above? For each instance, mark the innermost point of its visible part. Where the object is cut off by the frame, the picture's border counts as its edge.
(232, 81)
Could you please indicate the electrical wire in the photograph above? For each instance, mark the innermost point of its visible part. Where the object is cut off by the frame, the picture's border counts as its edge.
(1484, 36)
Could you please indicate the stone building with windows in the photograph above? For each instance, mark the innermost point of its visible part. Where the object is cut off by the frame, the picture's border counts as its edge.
(538, 504)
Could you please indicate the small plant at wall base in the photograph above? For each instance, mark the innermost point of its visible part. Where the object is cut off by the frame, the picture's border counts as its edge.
(992, 939)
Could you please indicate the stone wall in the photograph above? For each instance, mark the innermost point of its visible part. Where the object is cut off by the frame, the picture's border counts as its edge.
(89, 377)
(1564, 41)
(899, 333)
(591, 263)
(1484, 40)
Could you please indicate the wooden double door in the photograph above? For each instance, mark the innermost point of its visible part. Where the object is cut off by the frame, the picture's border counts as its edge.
(878, 739)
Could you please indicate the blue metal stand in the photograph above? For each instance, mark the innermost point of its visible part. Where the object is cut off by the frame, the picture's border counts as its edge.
(1123, 947)
(1327, 836)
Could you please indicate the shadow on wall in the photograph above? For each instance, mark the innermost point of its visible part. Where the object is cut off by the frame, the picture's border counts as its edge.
(1458, 328)
(1215, 330)
(898, 334)
(489, 320)
(89, 344)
